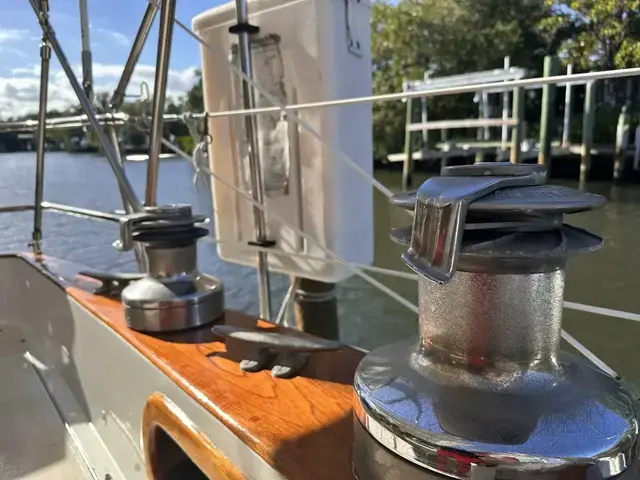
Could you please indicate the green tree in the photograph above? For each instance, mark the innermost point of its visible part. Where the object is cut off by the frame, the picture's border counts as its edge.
(139, 108)
(195, 101)
(176, 106)
(446, 37)
(595, 34)
(101, 101)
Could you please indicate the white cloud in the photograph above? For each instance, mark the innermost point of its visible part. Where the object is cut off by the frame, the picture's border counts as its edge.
(117, 37)
(31, 70)
(19, 92)
(13, 51)
(12, 34)
(179, 80)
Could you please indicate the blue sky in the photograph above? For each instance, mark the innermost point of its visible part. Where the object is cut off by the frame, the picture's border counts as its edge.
(113, 26)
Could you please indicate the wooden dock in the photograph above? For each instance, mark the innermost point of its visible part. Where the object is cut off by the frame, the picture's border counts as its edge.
(470, 150)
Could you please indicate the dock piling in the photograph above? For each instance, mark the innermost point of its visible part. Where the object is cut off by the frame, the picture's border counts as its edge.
(566, 124)
(424, 118)
(407, 168)
(587, 131)
(483, 132)
(316, 309)
(504, 132)
(517, 131)
(546, 110)
(622, 140)
(636, 153)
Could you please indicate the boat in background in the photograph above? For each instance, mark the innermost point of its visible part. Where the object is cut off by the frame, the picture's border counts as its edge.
(143, 157)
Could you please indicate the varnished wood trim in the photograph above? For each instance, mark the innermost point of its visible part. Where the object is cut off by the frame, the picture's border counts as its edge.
(161, 414)
(302, 427)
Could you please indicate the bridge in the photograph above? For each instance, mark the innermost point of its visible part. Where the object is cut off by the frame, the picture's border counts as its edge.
(75, 132)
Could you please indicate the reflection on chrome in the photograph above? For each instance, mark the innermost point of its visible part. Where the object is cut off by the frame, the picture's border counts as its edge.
(485, 391)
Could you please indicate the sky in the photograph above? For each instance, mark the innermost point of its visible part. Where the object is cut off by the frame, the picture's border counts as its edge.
(113, 25)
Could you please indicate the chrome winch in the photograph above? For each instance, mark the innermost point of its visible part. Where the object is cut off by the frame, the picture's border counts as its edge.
(173, 294)
(485, 391)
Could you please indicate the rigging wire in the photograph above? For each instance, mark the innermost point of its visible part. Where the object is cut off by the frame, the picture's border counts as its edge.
(359, 272)
(299, 232)
(606, 312)
(345, 158)
(288, 114)
(558, 80)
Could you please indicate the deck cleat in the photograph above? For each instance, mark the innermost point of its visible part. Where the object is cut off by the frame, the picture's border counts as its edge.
(485, 392)
(173, 295)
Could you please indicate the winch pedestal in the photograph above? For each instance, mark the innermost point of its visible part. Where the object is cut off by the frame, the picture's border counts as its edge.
(485, 391)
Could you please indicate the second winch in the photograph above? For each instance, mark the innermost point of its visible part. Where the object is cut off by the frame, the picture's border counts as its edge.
(485, 391)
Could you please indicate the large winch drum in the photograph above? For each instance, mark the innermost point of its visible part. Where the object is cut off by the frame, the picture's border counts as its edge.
(485, 391)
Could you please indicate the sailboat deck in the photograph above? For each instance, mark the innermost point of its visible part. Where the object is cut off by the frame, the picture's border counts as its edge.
(301, 427)
(34, 444)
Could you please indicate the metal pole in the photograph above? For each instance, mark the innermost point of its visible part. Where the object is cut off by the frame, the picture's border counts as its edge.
(45, 56)
(464, 123)
(113, 136)
(257, 188)
(138, 43)
(138, 248)
(87, 74)
(566, 124)
(87, 106)
(165, 34)
(81, 212)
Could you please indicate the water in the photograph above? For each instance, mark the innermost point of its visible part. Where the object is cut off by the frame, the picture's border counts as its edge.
(368, 318)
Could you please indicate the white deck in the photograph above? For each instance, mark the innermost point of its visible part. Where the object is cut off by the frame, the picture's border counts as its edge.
(34, 443)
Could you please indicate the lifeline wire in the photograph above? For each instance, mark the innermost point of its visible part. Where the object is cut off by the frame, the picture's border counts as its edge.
(375, 183)
(582, 78)
(283, 109)
(606, 312)
(304, 235)
(357, 271)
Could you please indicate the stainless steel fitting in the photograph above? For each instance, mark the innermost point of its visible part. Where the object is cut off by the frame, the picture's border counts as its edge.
(485, 392)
